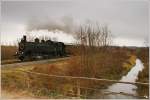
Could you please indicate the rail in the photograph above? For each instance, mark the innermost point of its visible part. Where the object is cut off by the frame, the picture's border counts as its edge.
(33, 62)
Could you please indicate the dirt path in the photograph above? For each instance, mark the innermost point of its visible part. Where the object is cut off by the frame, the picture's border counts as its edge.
(15, 95)
(34, 62)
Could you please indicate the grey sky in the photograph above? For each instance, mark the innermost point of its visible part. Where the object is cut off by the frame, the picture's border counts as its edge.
(127, 19)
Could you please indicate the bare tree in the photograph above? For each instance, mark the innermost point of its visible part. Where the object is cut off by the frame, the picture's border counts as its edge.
(91, 38)
(94, 35)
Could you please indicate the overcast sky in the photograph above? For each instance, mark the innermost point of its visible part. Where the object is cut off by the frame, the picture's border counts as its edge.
(127, 19)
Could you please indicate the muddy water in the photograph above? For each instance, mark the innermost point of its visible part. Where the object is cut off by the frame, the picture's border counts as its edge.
(125, 88)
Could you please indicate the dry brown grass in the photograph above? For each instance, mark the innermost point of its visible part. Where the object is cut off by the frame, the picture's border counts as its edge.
(39, 86)
(108, 65)
(143, 55)
(8, 52)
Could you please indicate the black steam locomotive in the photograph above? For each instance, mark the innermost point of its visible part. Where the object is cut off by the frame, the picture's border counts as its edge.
(40, 49)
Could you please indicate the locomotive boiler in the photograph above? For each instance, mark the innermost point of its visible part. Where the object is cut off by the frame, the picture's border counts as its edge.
(43, 49)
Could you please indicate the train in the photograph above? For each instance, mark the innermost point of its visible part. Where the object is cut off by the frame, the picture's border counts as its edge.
(39, 49)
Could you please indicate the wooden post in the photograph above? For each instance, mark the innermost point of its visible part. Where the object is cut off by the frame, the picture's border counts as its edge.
(86, 93)
(78, 89)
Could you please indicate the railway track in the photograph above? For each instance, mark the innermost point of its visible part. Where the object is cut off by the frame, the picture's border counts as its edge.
(19, 63)
(11, 61)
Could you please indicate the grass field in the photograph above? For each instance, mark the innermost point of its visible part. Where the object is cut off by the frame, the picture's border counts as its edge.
(105, 66)
(112, 64)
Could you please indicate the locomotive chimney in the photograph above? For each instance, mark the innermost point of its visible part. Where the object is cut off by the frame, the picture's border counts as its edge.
(24, 38)
(36, 40)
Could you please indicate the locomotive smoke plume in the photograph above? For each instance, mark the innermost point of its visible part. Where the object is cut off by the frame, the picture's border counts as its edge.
(65, 24)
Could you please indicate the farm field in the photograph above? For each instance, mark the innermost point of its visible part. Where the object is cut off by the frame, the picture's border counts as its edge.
(36, 86)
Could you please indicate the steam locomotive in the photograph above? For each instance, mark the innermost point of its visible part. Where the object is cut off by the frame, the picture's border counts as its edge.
(39, 49)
